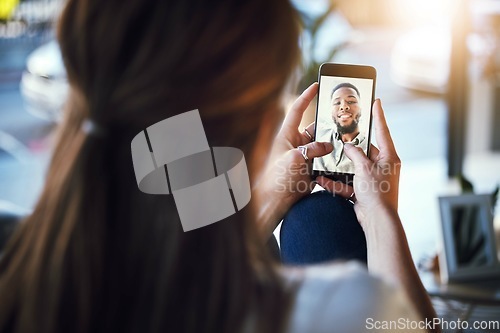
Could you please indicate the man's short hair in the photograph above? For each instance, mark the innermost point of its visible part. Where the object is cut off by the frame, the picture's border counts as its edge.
(344, 85)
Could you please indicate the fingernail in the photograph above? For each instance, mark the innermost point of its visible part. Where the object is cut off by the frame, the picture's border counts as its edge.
(348, 146)
(328, 145)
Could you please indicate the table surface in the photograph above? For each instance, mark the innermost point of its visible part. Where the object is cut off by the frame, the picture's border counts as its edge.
(478, 292)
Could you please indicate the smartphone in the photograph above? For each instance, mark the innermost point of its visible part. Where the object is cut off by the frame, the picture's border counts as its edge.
(343, 115)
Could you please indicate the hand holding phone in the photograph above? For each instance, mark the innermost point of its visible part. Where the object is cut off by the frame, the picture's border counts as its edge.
(343, 115)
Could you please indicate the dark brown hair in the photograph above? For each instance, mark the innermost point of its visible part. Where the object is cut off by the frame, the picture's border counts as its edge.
(344, 85)
(99, 255)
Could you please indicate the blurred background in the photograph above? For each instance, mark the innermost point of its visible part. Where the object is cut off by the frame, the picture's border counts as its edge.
(30, 97)
(438, 64)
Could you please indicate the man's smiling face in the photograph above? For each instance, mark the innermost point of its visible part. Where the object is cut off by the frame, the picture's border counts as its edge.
(346, 110)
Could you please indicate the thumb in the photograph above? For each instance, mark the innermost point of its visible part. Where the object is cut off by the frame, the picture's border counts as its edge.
(356, 154)
(318, 149)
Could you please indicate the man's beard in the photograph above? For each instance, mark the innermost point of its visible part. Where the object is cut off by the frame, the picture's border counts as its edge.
(353, 127)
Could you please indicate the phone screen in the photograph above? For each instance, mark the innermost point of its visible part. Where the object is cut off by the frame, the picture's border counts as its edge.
(343, 116)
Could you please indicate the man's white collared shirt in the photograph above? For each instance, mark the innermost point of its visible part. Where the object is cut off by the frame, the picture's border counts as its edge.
(337, 161)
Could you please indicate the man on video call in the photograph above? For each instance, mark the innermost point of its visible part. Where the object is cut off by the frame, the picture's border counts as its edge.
(346, 113)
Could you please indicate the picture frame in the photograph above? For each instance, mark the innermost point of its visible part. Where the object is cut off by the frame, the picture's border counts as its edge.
(469, 249)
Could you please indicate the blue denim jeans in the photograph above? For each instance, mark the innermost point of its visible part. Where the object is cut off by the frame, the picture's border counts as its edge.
(321, 227)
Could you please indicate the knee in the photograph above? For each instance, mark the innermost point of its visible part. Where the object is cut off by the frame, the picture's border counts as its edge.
(322, 227)
(321, 207)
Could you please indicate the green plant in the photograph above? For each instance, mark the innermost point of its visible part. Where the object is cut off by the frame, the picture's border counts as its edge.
(311, 63)
(467, 187)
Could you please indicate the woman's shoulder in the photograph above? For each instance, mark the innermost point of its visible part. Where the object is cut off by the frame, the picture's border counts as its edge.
(343, 297)
(331, 282)
(320, 276)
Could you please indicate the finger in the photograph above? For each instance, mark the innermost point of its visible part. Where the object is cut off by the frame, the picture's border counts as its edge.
(382, 133)
(338, 188)
(373, 153)
(294, 115)
(356, 154)
(318, 149)
(308, 129)
(311, 128)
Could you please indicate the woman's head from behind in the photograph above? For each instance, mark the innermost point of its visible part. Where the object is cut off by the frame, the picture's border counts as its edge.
(138, 62)
(97, 238)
